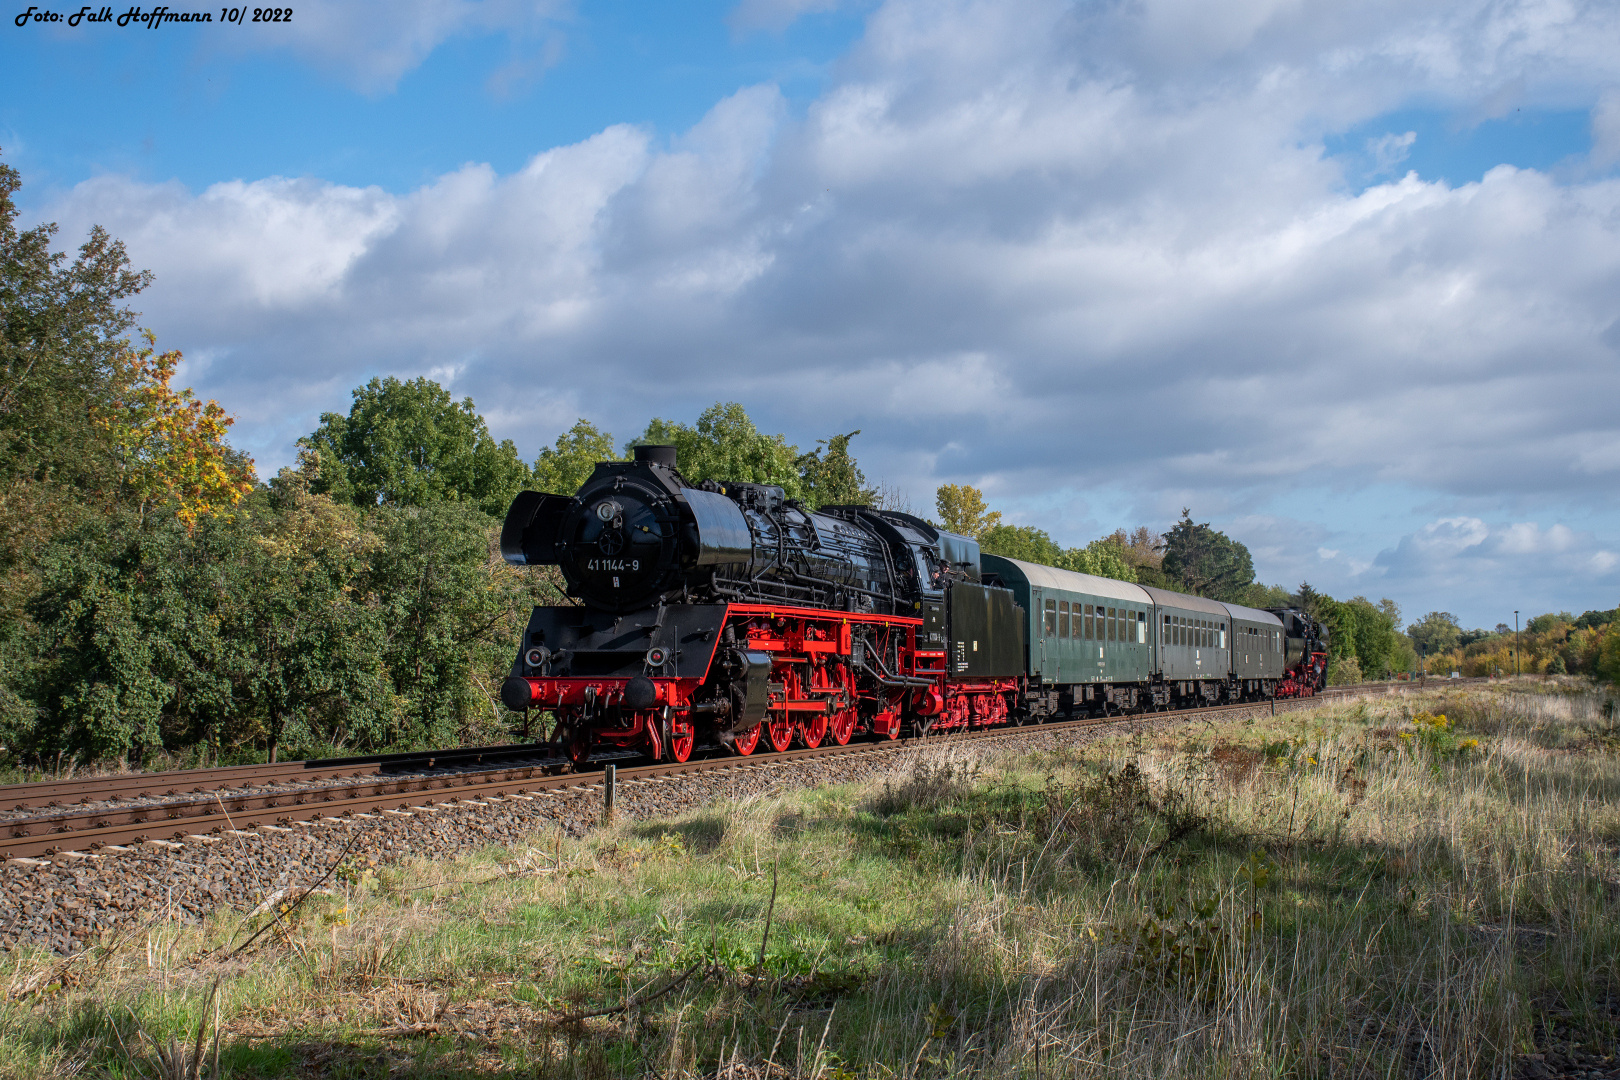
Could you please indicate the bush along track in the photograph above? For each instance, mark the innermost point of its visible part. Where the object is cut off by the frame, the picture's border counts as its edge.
(1360, 889)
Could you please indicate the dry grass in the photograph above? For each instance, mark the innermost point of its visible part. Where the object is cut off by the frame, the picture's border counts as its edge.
(1360, 890)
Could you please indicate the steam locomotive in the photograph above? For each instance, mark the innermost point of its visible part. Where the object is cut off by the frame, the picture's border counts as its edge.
(725, 613)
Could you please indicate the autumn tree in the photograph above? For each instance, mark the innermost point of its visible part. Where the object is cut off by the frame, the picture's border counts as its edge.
(963, 510)
(168, 447)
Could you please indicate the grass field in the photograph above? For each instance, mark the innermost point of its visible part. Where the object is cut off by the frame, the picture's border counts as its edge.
(1401, 885)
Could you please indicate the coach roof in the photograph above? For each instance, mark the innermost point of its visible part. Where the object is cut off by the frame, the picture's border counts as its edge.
(1249, 614)
(1050, 577)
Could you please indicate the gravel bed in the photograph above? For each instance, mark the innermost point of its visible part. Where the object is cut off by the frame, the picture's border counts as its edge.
(65, 903)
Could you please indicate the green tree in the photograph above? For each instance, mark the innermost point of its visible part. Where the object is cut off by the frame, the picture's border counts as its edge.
(726, 445)
(1206, 562)
(411, 444)
(1266, 596)
(1593, 620)
(563, 469)
(317, 640)
(829, 475)
(1608, 662)
(1366, 631)
(1022, 542)
(61, 328)
(97, 671)
(62, 325)
(1543, 624)
(1435, 633)
(1309, 600)
(963, 510)
(436, 581)
(1100, 558)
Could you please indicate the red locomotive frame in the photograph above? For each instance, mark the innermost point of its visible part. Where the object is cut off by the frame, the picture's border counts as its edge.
(816, 691)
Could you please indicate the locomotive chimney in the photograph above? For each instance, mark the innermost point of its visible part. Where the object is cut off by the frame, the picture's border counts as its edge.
(657, 455)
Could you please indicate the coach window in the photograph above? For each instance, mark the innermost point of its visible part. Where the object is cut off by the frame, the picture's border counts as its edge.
(1051, 618)
(1063, 618)
(1141, 628)
(1164, 632)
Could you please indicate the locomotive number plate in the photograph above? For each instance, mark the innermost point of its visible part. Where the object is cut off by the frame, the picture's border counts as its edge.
(610, 565)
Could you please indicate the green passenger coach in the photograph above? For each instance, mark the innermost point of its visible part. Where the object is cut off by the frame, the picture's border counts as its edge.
(1096, 646)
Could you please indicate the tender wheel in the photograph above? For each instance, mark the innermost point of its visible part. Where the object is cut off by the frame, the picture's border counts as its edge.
(780, 733)
(812, 731)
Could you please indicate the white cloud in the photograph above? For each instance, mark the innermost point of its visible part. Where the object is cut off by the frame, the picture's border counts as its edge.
(1388, 151)
(1606, 130)
(1519, 565)
(1041, 247)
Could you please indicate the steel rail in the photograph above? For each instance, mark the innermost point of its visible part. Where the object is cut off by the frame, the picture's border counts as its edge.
(195, 818)
(178, 782)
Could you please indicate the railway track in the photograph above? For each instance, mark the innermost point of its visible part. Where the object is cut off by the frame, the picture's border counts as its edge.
(170, 809)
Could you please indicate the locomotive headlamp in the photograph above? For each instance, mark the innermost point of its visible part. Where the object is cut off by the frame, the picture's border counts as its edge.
(536, 657)
(606, 509)
(657, 656)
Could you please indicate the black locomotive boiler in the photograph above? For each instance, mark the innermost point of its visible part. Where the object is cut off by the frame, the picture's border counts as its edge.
(723, 611)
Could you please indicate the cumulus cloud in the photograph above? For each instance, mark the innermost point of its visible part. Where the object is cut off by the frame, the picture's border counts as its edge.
(1606, 130)
(1519, 565)
(1052, 250)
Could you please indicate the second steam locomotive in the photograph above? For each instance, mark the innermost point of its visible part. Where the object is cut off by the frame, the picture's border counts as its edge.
(722, 612)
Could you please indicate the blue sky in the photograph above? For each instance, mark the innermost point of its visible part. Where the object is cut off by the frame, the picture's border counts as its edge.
(1340, 278)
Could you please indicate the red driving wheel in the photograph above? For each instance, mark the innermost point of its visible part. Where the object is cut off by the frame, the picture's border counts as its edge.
(842, 726)
(780, 732)
(681, 737)
(812, 731)
(744, 742)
